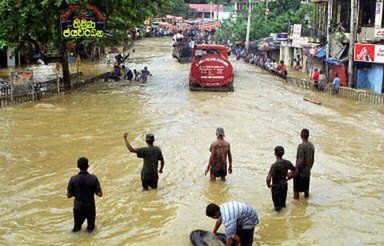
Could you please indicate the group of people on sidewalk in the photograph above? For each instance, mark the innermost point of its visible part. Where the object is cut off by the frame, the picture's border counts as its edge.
(280, 69)
(321, 81)
(239, 219)
(271, 65)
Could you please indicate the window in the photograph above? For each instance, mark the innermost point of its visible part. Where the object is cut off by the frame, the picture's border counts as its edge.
(367, 13)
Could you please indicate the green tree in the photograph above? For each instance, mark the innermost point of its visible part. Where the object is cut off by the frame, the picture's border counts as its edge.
(127, 14)
(34, 26)
(178, 8)
(281, 14)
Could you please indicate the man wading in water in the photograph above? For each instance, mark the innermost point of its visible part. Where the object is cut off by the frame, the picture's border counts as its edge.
(304, 161)
(279, 176)
(220, 149)
(151, 155)
(83, 186)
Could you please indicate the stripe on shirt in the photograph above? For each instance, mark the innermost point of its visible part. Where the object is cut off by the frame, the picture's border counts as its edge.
(236, 215)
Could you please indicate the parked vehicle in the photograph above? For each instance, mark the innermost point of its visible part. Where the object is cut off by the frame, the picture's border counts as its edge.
(182, 52)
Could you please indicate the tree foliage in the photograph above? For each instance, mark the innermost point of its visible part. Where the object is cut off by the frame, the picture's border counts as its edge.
(282, 13)
(127, 14)
(34, 26)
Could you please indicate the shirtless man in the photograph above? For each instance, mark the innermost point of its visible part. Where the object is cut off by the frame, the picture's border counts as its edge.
(220, 150)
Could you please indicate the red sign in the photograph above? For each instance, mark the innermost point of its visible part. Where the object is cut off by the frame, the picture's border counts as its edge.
(212, 69)
(365, 52)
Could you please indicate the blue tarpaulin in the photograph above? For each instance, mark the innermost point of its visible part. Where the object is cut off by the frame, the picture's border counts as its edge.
(332, 61)
(320, 53)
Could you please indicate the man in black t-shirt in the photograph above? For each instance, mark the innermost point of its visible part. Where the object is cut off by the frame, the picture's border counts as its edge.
(279, 176)
(83, 186)
(151, 155)
(304, 162)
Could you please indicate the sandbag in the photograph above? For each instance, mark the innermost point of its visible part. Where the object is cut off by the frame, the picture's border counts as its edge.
(206, 238)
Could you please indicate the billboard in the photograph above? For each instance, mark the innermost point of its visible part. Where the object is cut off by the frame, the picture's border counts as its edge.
(282, 37)
(82, 21)
(369, 53)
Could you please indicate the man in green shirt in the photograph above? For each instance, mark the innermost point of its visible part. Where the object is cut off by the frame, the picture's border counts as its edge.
(279, 176)
(151, 155)
(304, 161)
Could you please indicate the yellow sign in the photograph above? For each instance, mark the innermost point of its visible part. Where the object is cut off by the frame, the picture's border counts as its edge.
(82, 28)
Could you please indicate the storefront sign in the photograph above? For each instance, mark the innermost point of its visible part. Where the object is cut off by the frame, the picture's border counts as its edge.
(296, 31)
(85, 21)
(300, 42)
(369, 53)
(379, 53)
(282, 37)
(379, 32)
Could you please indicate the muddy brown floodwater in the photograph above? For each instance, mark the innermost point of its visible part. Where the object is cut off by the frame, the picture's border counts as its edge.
(40, 143)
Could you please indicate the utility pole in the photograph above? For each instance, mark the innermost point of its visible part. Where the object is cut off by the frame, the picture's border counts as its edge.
(329, 19)
(217, 9)
(248, 25)
(210, 12)
(354, 14)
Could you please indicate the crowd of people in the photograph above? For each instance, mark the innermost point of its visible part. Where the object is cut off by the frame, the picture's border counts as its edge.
(123, 72)
(185, 40)
(321, 81)
(158, 31)
(239, 219)
(269, 64)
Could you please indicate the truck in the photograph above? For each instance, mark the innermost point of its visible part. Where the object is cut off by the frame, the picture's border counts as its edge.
(182, 53)
(211, 69)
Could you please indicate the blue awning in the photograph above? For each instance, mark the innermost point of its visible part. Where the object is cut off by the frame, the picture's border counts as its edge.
(320, 53)
(332, 61)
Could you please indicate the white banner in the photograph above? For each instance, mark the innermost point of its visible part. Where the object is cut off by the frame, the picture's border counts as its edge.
(379, 13)
(379, 54)
(296, 31)
(300, 42)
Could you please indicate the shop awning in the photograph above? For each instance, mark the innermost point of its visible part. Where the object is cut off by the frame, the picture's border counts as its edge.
(320, 53)
(332, 61)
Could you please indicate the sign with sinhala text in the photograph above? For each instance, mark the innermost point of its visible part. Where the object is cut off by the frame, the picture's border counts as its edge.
(82, 21)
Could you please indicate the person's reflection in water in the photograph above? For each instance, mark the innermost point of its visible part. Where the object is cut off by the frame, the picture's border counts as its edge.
(281, 227)
(217, 192)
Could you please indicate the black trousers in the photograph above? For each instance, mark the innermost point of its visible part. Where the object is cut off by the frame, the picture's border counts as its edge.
(246, 236)
(301, 184)
(279, 196)
(146, 183)
(79, 216)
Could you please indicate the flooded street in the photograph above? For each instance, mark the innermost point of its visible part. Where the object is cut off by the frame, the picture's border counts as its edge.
(40, 144)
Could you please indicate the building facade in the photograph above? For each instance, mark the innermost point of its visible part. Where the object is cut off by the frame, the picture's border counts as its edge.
(354, 33)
